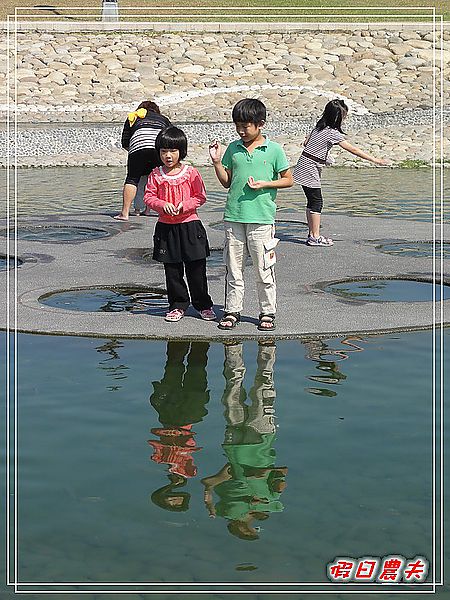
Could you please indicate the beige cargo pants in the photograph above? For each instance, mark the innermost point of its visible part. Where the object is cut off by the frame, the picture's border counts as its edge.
(241, 240)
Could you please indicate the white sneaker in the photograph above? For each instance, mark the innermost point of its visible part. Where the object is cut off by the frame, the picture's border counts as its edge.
(320, 241)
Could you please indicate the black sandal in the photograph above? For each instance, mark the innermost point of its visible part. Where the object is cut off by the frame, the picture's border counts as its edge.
(270, 319)
(232, 318)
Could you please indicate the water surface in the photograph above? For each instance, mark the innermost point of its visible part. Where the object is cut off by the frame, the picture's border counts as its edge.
(307, 451)
(387, 290)
(398, 193)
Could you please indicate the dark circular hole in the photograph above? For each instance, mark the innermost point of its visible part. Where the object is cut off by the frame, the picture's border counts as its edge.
(56, 233)
(415, 249)
(386, 290)
(114, 299)
(9, 262)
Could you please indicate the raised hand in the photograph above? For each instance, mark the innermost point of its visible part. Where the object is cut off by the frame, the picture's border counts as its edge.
(215, 151)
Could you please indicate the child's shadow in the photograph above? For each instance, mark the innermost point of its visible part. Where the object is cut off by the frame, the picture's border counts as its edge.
(219, 309)
(285, 237)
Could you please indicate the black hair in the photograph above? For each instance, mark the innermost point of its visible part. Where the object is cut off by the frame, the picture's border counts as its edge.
(150, 106)
(249, 110)
(241, 530)
(333, 115)
(162, 497)
(172, 138)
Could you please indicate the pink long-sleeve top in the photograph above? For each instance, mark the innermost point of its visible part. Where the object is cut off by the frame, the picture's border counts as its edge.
(186, 186)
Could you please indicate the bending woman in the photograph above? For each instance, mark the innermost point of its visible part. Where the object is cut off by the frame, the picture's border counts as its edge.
(138, 137)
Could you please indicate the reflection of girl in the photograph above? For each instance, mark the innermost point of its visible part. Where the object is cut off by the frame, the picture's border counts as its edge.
(169, 499)
(180, 399)
(249, 485)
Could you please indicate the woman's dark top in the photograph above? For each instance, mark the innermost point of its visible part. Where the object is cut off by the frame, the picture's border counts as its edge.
(142, 134)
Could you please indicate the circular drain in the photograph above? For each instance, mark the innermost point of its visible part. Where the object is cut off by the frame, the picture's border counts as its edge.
(415, 249)
(117, 299)
(56, 233)
(386, 290)
(8, 262)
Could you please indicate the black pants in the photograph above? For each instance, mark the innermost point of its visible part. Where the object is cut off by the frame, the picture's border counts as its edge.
(314, 199)
(142, 162)
(177, 291)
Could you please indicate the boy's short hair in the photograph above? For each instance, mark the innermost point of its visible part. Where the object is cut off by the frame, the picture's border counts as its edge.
(172, 137)
(249, 110)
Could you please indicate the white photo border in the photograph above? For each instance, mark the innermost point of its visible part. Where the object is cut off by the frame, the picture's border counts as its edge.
(12, 468)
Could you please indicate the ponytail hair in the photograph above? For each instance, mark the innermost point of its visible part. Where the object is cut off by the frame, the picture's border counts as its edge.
(333, 115)
(149, 106)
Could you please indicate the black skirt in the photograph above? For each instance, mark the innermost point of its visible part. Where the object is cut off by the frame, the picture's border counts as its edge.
(180, 242)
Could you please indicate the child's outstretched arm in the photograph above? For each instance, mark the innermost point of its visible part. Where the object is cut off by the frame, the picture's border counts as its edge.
(223, 175)
(361, 154)
(284, 181)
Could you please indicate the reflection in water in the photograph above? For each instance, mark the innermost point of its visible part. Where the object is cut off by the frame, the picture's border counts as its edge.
(386, 290)
(133, 300)
(55, 233)
(249, 485)
(113, 368)
(318, 351)
(180, 399)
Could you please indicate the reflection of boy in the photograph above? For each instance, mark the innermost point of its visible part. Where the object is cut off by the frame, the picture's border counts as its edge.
(180, 399)
(249, 485)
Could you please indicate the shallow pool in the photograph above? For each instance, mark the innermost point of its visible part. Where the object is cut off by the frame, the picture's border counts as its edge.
(54, 233)
(388, 290)
(114, 299)
(302, 451)
(400, 193)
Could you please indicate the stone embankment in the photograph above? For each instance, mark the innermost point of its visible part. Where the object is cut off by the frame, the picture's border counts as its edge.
(97, 77)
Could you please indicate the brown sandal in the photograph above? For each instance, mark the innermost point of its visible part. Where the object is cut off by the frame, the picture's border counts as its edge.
(269, 319)
(232, 318)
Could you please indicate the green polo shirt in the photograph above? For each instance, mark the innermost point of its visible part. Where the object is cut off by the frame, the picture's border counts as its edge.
(244, 204)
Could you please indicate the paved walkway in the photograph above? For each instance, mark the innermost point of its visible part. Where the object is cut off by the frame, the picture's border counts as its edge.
(304, 309)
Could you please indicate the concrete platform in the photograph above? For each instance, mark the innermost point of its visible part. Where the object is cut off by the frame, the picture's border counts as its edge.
(304, 309)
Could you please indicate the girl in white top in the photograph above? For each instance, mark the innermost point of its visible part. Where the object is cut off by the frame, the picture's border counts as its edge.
(308, 170)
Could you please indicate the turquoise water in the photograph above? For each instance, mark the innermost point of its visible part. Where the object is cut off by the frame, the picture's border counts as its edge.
(416, 249)
(8, 263)
(310, 450)
(398, 193)
(55, 233)
(109, 300)
(387, 290)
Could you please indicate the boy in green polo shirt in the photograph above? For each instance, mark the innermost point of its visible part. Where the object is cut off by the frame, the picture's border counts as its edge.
(253, 168)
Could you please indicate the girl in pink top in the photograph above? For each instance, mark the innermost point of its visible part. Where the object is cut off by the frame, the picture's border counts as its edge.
(175, 191)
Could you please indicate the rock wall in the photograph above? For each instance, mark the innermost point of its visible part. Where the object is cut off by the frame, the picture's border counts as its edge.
(97, 77)
(90, 77)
